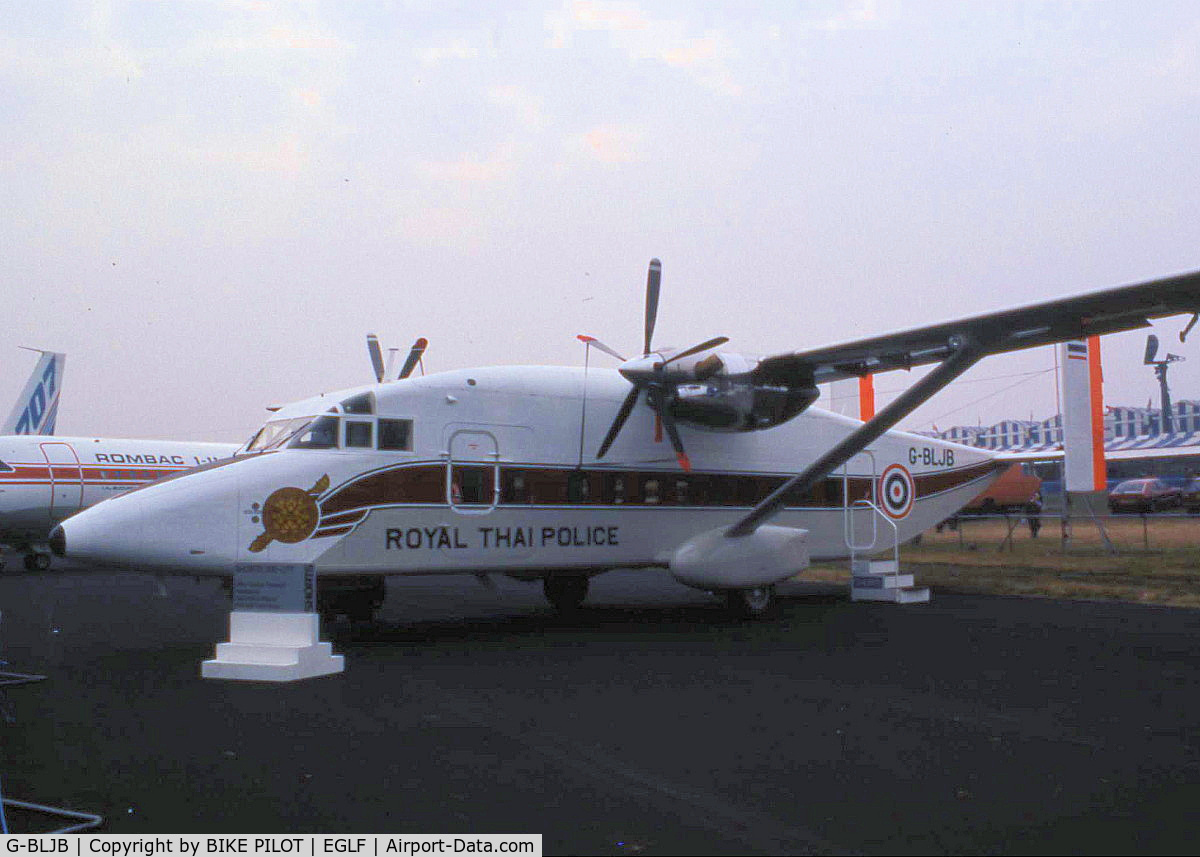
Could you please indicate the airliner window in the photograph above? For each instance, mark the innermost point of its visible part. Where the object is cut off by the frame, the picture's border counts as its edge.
(363, 403)
(395, 434)
(358, 434)
(321, 433)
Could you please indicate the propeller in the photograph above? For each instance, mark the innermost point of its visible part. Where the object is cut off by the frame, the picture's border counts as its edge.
(414, 355)
(649, 373)
(376, 356)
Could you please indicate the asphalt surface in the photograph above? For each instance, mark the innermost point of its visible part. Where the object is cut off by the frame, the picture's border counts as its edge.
(649, 724)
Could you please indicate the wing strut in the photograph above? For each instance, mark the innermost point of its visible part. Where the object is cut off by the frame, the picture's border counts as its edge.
(964, 353)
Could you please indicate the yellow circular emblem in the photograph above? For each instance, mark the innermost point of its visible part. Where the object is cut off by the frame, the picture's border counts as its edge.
(290, 515)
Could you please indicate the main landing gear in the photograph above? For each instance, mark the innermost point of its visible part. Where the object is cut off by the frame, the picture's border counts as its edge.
(34, 560)
(37, 561)
(566, 592)
(751, 603)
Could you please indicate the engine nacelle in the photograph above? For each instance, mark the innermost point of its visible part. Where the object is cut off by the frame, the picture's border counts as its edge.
(737, 405)
(713, 561)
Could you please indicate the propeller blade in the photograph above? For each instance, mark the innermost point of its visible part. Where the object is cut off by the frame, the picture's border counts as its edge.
(596, 343)
(668, 423)
(414, 355)
(622, 415)
(376, 356)
(695, 349)
(653, 281)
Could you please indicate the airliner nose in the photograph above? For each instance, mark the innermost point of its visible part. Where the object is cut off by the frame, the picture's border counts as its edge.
(58, 541)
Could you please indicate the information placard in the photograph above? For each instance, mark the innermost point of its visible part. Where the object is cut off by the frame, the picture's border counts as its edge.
(274, 587)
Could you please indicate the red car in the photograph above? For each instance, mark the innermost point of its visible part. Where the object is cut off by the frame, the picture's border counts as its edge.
(1143, 495)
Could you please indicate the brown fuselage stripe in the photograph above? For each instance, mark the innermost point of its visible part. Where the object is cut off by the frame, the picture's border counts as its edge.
(425, 484)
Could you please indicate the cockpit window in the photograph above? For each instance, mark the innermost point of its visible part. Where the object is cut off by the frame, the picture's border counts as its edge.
(275, 433)
(363, 403)
(321, 433)
(358, 433)
(395, 434)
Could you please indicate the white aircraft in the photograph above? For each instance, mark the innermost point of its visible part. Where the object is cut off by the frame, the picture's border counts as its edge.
(44, 480)
(36, 410)
(557, 474)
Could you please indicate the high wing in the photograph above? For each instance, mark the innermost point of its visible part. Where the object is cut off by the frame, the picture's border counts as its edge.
(956, 346)
(1108, 311)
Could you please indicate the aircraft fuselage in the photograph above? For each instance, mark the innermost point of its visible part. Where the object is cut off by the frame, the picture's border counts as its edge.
(494, 470)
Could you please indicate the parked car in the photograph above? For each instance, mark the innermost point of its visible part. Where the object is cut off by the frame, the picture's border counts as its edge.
(1190, 495)
(1143, 495)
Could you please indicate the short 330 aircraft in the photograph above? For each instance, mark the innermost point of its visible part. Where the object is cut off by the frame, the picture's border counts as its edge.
(557, 474)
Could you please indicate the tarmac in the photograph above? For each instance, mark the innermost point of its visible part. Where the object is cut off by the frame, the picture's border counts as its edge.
(649, 724)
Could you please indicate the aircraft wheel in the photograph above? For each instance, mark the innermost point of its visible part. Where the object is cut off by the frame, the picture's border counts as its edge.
(567, 592)
(37, 561)
(751, 603)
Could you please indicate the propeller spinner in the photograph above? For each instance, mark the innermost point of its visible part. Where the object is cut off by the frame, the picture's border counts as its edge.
(650, 373)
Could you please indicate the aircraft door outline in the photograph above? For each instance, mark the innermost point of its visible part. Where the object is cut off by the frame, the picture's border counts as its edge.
(472, 455)
(852, 512)
(66, 493)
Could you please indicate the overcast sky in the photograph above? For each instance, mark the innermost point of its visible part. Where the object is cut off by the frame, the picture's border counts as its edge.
(208, 205)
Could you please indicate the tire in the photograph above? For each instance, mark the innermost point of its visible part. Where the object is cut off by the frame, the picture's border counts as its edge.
(37, 561)
(566, 592)
(751, 603)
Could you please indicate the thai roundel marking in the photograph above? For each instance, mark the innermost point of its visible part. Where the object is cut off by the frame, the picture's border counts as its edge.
(896, 491)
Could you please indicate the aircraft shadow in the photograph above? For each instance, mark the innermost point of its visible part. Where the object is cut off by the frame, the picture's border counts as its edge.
(603, 621)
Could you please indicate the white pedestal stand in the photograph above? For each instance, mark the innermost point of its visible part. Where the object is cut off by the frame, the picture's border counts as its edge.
(273, 647)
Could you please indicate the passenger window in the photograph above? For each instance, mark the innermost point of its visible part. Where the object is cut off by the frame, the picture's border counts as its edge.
(615, 488)
(470, 486)
(358, 434)
(515, 489)
(395, 434)
(578, 490)
(321, 433)
(650, 491)
(364, 403)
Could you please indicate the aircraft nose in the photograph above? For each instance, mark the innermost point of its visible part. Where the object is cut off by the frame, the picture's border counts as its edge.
(173, 525)
(58, 541)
